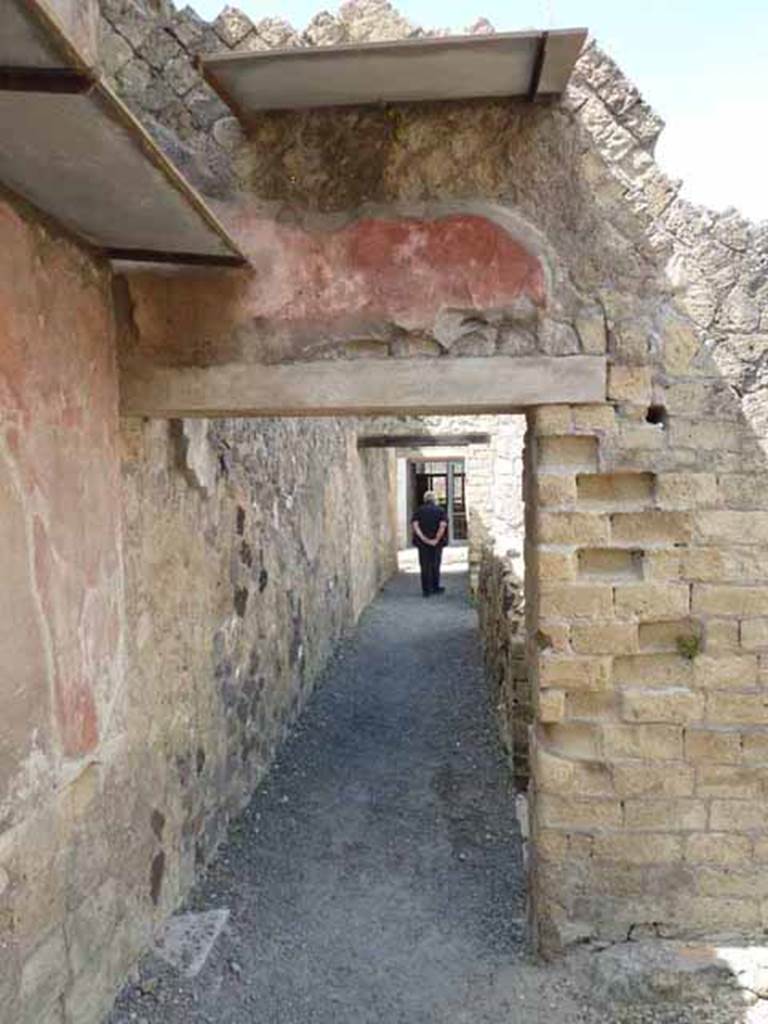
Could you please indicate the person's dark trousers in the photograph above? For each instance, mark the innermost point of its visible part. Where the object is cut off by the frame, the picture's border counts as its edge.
(429, 563)
(438, 559)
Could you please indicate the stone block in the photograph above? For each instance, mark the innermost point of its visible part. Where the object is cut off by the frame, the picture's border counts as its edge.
(568, 812)
(625, 849)
(550, 705)
(600, 418)
(754, 634)
(592, 705)
(652, 670)
(575, 601)
(555, 490)
(571, 673)
(737, 708)
(573, 739)
(743, 490)
(615, 490)
(160, 47)
(551, 845)
(568, 452)
(181, 75)
(611, 563)
(679, 344)
(630, 384)
(745, 602)
(718, 848)
(738, 815)
(721, 636)
(651, 527)
(555, 565)
(707, 916)
(648, 742)
(732, 527)
(742, 782)
(592, 332)
(754, 747)
(638, 779)
(554, 638)
(114, 50)
(577, 528)
(637, 438)
(686, 490)
(678, 815)
(604, 638)
(205, 107)
(664, 636)
(703, 563)
(712, 746)
(725, 672)
(563, 776)
(731, 882)
(551, 419)
(652, 601)
(705, 435)
(671, 705)
(232, 26)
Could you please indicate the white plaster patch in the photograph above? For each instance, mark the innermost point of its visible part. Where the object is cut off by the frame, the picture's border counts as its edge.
(186, 940)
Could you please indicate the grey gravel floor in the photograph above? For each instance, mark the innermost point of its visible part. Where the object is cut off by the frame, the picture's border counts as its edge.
(376, 876)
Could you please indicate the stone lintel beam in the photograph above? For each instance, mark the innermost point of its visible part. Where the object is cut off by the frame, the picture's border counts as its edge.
(421, 440)
(363, 387)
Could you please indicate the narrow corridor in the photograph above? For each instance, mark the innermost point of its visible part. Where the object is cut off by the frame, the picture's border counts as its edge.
(377, 875)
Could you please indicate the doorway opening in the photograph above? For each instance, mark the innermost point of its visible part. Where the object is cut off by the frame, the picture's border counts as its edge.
(447, 480)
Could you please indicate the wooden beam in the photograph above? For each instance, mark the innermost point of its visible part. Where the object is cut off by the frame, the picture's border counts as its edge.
(67, 81)
(363, 387)
(421, 440)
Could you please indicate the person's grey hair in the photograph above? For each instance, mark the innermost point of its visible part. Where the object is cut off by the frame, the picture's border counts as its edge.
(430, 496)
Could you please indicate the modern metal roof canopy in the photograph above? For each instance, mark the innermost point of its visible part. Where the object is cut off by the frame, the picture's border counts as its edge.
(527, 64)
(77, 154)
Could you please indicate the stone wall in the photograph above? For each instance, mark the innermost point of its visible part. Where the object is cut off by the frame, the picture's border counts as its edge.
(501, 612)
(647, 574)
(250, 548)
(160, 628)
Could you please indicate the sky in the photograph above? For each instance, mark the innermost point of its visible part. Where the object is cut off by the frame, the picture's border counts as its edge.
(703, 66)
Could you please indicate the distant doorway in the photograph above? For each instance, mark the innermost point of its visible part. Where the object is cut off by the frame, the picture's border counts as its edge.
(447, 478)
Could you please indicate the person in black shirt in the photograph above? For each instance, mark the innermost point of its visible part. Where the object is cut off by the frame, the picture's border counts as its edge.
(430, 526)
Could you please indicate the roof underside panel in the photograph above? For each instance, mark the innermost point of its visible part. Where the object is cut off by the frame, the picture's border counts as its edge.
(24, 42)
(463, 67)
(77, 154)
(75, 161)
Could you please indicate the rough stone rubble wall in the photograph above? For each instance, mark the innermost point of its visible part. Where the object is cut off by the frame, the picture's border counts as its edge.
(148, 50)
(501, 610)
(158, 632)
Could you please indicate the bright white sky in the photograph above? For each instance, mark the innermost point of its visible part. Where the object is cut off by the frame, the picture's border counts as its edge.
(703, 66)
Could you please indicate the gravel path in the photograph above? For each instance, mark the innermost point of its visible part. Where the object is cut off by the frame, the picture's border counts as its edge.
(376, 876)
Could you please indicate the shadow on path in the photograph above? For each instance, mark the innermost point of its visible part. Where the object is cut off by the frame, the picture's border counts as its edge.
(376, 876)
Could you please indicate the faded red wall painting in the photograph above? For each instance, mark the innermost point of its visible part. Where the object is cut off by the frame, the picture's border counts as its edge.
(372, 271)
(58, 452)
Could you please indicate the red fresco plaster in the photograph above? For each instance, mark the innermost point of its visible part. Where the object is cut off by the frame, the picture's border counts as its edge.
(58, 424)
(403, 270)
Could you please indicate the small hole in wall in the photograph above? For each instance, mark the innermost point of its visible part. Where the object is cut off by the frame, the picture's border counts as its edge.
(656, 414)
